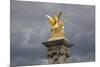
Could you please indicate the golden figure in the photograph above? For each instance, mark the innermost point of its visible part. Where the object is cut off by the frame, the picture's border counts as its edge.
(57, 27)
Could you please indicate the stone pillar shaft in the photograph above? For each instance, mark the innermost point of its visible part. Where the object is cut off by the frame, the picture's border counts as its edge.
(58, 51)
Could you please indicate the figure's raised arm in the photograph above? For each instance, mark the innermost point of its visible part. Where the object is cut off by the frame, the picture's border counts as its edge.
(59, 16)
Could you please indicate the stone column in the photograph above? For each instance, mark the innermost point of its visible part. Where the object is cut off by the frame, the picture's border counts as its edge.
(58, 51)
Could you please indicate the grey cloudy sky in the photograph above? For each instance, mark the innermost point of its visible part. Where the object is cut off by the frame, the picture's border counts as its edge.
(30, 27)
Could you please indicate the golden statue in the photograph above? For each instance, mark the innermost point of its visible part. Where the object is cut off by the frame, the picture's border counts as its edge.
(57, 27)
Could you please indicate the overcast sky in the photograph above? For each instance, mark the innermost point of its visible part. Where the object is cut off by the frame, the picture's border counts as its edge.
(30, 27)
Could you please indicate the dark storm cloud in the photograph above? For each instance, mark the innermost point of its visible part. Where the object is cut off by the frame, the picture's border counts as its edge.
(30, 27)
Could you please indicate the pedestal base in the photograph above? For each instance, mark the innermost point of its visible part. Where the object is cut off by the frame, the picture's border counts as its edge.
(58, 51)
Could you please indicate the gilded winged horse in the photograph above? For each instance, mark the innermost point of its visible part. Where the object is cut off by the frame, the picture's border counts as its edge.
(57, 25)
